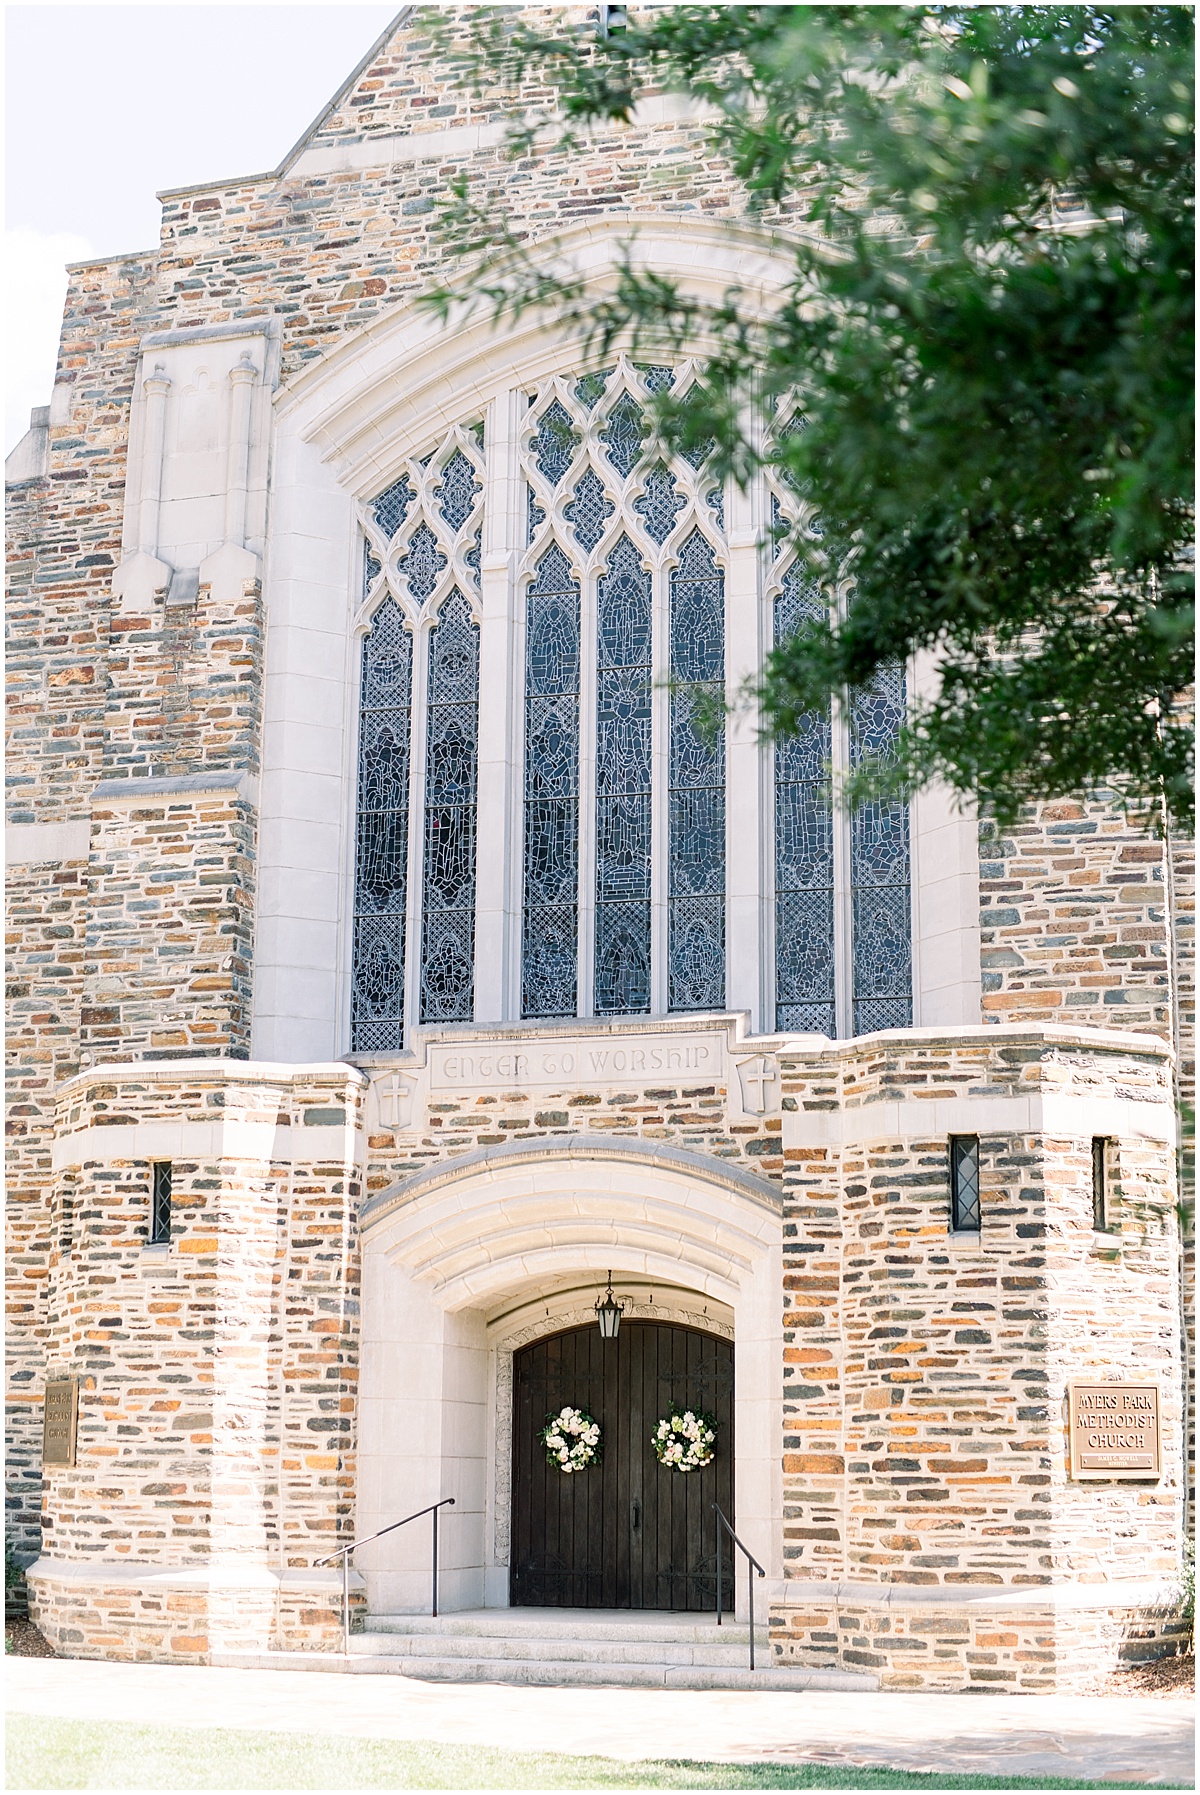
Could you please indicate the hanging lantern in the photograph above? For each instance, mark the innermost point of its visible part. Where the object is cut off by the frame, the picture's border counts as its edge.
(609, 1313)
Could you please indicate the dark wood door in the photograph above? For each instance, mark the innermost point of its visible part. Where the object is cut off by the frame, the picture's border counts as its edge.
(625, 1533)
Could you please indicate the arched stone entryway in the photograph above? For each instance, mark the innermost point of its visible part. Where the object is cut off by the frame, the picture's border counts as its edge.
(467, 1261)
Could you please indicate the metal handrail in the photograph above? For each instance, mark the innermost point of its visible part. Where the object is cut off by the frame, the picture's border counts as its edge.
(751, 1561)
(343, 1552)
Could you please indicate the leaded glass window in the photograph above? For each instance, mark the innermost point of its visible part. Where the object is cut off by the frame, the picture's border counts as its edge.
(421, 554)
(613, 525)
(623, 784)
(696, 809)
(549, 951)
(448, 910)
(381, 871)
(805, 977)
(619, 586)
(881, 927)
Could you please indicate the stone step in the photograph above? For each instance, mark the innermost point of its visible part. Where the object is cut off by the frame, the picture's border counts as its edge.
(567, 1623)
(531, 1648)
(605, 1673)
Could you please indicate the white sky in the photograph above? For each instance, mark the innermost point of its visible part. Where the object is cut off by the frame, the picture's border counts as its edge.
(107, 104)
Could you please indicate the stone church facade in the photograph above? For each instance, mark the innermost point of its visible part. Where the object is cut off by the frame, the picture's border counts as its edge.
(394, 959)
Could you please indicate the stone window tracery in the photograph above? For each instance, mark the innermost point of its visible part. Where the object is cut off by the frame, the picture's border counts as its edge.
(645, 542)
(870, 933)
(421, 557)
(617, 590)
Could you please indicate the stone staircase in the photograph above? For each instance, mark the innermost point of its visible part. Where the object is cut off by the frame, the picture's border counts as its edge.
(581, 1646)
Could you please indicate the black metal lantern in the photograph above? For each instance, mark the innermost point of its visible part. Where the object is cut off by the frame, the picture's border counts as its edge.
(609, 1313)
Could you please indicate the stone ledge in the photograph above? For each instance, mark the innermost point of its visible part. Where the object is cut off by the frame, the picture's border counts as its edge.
(106, 1574)
(135, 791)
(215, 1071)
(981, 1598)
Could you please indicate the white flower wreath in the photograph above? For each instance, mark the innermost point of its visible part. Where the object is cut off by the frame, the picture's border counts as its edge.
(687, 1441)
(571, 1439)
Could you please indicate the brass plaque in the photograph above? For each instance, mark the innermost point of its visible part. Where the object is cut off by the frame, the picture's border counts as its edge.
(59, 1419)
(1114, 1430)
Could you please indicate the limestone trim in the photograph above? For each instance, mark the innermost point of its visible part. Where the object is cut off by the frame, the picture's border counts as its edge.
(214, 333)
(28, 844)
(214, 1071)
(107, 1574)
(1064, 1117)
(262, 1142)
(988, 1034)
(139, 791)
(572, 1149)
(678, 1308)
(1142, 1593)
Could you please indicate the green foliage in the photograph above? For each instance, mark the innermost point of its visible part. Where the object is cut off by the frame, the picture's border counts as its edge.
(14, 1570)
(977, 373)
(1188, 1582)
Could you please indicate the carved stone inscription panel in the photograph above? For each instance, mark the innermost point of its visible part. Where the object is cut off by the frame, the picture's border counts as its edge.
(585, 1060)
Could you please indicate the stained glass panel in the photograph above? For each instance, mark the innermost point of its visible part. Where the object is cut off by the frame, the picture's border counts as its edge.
(424, 563)
(589, 388)
(448, 911)
(551, 872)
(804, 902)
(381, 854)
(458, 489)
(623, 435)
(879, 867)
(657, 379)
(696, 800)
(555, 444)
(623, 783)
(589, 510)
(660, 504)
(392, 507)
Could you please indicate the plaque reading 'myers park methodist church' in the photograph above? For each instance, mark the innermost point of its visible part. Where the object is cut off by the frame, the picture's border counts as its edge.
(1114, 1430)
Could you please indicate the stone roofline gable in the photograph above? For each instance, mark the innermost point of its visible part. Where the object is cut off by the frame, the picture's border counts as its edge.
(329, 147)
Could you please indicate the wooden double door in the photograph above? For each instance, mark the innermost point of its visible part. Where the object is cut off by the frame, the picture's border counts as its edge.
(626, 1532)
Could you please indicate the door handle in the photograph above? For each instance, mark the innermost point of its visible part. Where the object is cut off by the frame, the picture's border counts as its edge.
(636, 1514)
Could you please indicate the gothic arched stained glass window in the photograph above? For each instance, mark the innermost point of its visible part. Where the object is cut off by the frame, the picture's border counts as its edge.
(623, 784)
(381, 871)
(550, 924)
(879, 867)
(696, 802)
(452, 728)
(805, 985)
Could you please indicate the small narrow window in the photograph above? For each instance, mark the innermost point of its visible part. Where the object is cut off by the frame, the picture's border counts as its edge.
(613, 19)
(1100, 1220)
(160, 1206)
(964, 1183)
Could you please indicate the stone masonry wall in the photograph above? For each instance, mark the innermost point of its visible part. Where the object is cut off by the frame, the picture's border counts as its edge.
(217, 1375)
(925, 1371)
(170, 925)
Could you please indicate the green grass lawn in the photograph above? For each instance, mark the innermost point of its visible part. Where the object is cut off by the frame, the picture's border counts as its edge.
(84, 1754)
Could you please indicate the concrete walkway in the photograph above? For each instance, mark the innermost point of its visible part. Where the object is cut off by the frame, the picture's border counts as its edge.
(1119, 1742)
